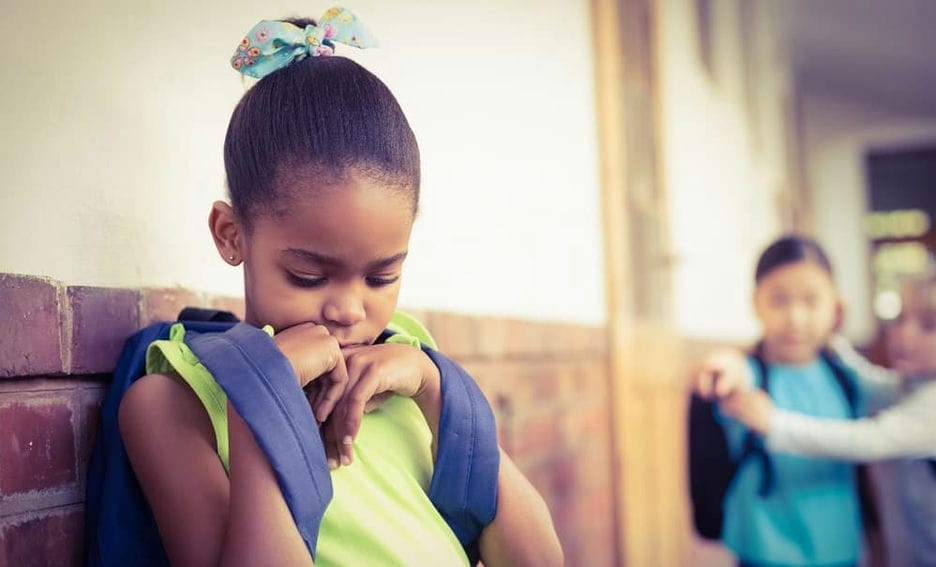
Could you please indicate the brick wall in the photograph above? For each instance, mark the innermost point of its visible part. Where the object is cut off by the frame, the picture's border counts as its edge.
(548, 385)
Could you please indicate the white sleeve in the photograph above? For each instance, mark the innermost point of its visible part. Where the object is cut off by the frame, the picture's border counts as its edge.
(905, 430)
(879, 386)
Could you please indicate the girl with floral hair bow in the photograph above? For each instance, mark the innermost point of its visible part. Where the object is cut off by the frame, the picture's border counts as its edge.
(326, 428)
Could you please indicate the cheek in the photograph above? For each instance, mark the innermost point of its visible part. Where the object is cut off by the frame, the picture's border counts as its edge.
(276, 302)
(383, 301)
(928, 344)
(829, 315)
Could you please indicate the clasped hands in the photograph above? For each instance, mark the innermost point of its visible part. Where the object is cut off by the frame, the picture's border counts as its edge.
(342, 384)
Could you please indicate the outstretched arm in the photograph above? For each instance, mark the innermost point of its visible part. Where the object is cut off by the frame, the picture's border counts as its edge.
(880, 386)
(904, 430)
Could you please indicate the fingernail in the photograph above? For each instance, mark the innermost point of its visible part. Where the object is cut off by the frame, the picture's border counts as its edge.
(333, 464)
(345, 460)
(347, 440)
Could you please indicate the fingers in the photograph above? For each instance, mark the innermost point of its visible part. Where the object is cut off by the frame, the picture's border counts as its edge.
(315, 355)
(725, 386)
(333, 385)
(705, 382)
(722, 373)
(731, 404)
(369, 376)
(377, 401)
(752, 408)
(362, 385)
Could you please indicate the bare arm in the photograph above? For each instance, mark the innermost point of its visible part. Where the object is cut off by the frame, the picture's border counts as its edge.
(261, 530)
(204, 519)
(522, 533)
(170, 444)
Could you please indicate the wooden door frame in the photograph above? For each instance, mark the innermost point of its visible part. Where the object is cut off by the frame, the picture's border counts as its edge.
(648, 525)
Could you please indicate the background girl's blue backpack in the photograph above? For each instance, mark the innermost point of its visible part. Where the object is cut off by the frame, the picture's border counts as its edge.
(119, 525)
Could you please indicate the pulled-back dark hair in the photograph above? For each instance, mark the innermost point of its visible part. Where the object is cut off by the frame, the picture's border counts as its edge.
(319, 118)
(788, 250)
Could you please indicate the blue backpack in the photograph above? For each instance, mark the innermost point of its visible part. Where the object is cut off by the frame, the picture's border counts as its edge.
(120, 528)
(119, 525)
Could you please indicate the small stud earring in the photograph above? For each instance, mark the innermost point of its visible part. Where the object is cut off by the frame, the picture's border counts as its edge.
(231, 257)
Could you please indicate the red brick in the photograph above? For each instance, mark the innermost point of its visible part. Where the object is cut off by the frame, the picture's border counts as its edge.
(101, 320)
(589, 378)
(164, 304)
(50, 540)
(37, 448)
(589, 421)
(456, 335)
(30, 337)
(88, 408)
(540, 383)
(591, 527)
(492, 337)
(523, 339)
(536, 434)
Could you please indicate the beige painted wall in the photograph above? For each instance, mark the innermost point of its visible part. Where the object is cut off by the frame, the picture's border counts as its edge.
(725, 162)
(114, 115)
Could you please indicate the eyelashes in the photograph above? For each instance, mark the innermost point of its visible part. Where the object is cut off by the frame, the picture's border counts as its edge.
(380, 282)
(372, 281)
(305, 282)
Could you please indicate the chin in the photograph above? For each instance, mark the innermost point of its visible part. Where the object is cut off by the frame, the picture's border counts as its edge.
(798, 355)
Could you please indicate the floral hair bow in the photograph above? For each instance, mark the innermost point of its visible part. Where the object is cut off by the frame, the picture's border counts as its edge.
(271, 45)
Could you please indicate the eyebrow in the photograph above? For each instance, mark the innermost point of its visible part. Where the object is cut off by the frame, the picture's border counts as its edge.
(332, 261)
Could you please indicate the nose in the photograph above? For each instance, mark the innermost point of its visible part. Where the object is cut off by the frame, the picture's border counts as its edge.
(797, 315)
(345, 307)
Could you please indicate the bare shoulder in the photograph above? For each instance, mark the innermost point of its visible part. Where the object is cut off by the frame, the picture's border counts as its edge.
(161, 401)
(172, 449)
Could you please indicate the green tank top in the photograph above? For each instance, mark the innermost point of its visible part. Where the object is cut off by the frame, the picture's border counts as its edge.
(381, 513)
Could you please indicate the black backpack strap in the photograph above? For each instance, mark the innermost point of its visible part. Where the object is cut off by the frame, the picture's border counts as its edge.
(753, 443)
(207, 315)
(932, 466)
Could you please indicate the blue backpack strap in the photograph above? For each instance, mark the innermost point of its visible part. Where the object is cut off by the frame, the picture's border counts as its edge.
(463, 487)
(464, 481)
(259, 380)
